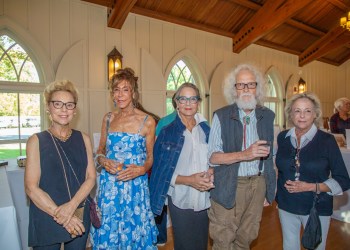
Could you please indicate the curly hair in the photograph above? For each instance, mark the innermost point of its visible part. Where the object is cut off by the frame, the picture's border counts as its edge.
(126, 74)
(230, 91)
(60, 85)
(307, 95)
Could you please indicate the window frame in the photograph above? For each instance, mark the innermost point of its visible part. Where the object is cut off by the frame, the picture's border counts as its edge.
(24, 88)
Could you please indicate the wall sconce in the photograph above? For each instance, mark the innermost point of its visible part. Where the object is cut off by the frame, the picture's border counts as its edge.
(301, 85)
(115, 62)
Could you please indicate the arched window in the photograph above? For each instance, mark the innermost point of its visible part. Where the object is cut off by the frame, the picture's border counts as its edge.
(178, 75)
(272, 100)
(20, 95)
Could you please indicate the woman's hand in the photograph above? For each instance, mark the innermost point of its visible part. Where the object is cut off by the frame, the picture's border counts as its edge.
(64, 213)
(75, 227)
(111, 166)
(202, 181)
(299, 186)
(131, 172)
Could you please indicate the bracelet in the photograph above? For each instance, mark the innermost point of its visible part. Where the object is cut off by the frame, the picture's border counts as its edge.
(96, 158)
(318, 188)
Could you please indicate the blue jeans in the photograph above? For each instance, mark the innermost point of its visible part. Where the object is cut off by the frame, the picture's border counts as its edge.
(161, 222)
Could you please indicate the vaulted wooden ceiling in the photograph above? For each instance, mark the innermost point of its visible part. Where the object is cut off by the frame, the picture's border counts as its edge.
(307, 28)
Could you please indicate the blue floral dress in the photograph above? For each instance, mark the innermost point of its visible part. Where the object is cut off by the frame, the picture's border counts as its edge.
(127, 219)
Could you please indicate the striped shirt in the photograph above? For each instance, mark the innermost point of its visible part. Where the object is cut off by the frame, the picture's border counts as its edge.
(246, 168)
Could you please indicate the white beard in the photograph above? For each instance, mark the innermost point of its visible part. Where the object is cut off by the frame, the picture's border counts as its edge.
(246, 104)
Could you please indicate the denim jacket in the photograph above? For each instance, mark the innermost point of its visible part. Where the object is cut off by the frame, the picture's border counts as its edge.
(166, 153)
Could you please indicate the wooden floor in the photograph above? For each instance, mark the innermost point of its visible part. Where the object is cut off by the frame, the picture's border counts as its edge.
(270, 235)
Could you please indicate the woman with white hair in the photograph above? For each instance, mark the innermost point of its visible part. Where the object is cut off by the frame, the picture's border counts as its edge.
(341, 119)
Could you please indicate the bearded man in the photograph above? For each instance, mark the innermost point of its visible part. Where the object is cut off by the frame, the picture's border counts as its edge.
(240, 150)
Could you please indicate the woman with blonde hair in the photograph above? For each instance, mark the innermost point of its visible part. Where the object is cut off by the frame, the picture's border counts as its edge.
(59, 176)
(341, 119)
(308, 161)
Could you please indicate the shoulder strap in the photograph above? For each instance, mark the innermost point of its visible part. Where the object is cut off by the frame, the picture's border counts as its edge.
(108, 121)
(142, 124)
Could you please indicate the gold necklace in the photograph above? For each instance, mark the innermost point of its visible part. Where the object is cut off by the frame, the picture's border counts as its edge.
(61, 138)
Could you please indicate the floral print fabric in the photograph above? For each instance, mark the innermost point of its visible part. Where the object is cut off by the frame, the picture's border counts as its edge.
(127, 220)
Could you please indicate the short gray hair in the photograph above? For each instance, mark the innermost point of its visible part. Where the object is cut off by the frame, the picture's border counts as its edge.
(340, 102)
(230, 81)
(307, 95)
(187, 85)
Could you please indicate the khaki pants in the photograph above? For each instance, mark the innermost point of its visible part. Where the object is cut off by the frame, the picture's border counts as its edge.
(236, 228)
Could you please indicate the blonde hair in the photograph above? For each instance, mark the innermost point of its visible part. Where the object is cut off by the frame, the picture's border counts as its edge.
(60, 85)
(126, 74)
(307, 95)
(340, 102)
(230, 91)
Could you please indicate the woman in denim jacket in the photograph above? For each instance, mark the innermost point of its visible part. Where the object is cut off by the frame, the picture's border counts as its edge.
(180, 175)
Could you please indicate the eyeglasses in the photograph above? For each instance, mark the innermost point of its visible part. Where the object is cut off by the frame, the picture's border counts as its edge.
(191, 100)
(59, 105)
(250, 85)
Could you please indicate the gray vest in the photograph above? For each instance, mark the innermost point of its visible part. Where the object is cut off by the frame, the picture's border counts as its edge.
(225, 179)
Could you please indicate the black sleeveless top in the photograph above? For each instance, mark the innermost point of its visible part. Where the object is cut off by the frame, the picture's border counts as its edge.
(43, 230)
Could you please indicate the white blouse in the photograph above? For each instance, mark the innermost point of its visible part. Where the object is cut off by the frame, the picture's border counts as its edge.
(193, 159)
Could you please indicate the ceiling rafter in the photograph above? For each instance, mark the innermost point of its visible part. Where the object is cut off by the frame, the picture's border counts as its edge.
(107, 3)
(335, 38)
(262, 23)
(277, 47)
(341, 5)
(292, 22)
(172, 19)
(119, 13)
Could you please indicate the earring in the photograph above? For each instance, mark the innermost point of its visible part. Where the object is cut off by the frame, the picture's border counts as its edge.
(74, 113)
(115, 103)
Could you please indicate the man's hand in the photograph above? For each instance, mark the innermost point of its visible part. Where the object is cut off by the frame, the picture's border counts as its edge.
(257, 150)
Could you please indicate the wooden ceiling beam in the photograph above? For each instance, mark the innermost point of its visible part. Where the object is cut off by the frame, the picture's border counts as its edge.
(271, 15)
(335, 38)
(340, 4)
(292, 22)
(172, 19)
(277, 47)
(120, 12)
(107, 3)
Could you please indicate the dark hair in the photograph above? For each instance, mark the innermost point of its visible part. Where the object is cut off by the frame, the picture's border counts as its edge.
(126, 74)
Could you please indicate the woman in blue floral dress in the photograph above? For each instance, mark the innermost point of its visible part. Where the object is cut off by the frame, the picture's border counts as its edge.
(125, 152)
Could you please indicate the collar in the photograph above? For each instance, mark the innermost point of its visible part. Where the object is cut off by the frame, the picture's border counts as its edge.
(306, 138)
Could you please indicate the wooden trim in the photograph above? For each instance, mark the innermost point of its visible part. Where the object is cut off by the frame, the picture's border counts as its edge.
(119, 13)
(335, 38)
(172, 19)
(270, 16)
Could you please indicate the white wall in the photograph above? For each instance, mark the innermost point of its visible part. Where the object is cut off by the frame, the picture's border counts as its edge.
(70, 39)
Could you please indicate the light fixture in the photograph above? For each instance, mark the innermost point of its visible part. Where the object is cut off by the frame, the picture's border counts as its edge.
(345, 21)
(301, 85)
(115, 62)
